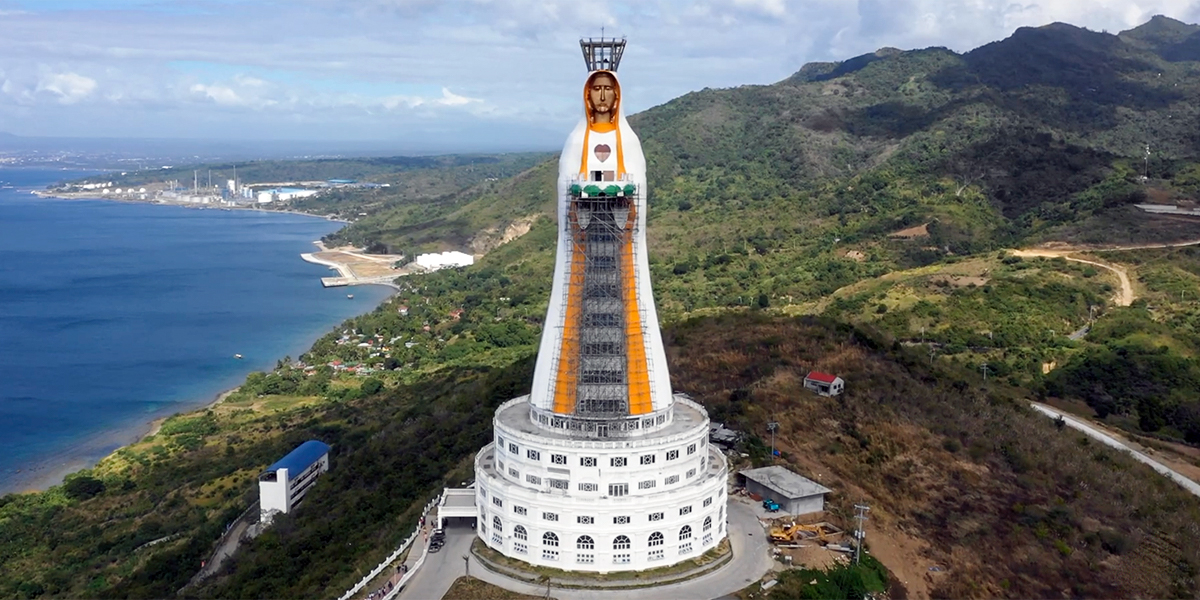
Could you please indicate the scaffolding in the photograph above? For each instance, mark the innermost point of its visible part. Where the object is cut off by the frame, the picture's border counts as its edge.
(598, 363)
(602, 54)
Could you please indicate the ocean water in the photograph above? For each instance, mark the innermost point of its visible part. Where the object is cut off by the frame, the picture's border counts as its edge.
(113, 314)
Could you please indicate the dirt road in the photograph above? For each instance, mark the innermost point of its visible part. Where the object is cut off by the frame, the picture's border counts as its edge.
(1124, 298)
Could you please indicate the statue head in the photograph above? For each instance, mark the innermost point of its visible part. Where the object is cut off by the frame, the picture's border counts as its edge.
(602, 96)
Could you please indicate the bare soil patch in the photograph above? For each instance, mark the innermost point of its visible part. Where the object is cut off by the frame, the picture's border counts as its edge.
(469, 588)
(918, 231)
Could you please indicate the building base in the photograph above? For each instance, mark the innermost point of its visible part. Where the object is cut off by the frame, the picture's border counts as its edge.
(635, 503)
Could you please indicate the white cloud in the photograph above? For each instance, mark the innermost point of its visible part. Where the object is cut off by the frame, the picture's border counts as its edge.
(360, 68)
(773, 8)
(69, 87)
(219, 94)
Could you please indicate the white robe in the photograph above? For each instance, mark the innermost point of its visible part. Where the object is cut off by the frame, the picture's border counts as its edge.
(542, 394)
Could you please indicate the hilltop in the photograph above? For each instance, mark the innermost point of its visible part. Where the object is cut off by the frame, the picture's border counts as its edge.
(876, 198)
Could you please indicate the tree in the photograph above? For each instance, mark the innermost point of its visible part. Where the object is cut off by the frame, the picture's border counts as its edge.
(83, 487)
(371, 386)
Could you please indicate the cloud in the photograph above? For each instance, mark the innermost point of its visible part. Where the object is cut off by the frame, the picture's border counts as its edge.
(69, 87)
(771, 8)
(404, 67)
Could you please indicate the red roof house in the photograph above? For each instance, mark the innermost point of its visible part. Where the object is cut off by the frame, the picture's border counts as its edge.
(824, 383)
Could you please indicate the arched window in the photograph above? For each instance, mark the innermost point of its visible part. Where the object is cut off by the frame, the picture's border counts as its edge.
(549, 539)
(656, 539)
(621, 543)
(685, 533)
(519, 533)
(585, 542)
(707, 523)
(497, 525)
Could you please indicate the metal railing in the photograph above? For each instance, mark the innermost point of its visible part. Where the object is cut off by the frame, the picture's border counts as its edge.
(393, 556)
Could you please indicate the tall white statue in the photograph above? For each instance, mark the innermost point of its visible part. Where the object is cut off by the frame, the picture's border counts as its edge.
(601, 355)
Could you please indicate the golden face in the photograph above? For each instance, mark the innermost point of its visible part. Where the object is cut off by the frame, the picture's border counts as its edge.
(603, 94)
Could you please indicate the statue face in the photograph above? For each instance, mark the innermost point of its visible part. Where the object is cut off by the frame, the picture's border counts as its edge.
(603, 94)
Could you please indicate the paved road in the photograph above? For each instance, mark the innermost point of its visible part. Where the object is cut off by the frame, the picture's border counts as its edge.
(441, 568)
(1108, 440)
(751, 560)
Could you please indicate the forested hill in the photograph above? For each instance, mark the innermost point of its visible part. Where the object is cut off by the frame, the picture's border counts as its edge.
(1031, 136)
(1039, 121)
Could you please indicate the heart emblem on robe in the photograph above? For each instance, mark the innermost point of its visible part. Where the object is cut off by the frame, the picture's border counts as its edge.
(603, 152)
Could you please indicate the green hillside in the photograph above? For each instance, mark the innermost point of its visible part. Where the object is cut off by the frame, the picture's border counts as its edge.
(853, 217)
(1023, 139)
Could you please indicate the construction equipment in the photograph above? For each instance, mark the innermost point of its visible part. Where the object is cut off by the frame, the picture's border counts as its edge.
(784, 535)
(771, 505)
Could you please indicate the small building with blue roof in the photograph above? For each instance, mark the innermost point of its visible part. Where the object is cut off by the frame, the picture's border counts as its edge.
(283, 484)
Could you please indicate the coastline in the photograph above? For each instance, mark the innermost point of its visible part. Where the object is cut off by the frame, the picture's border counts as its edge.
(49, 470)
(90, 196)
(52, 470)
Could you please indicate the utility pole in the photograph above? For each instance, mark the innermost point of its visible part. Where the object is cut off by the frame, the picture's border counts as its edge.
(984, 368)
(860, 515)
(772, 426)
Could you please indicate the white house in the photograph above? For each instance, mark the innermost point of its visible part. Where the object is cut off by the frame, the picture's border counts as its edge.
(284, 483)
(824, 383)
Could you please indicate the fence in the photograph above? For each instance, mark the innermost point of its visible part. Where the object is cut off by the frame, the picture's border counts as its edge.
(250, 516)
(392, 557)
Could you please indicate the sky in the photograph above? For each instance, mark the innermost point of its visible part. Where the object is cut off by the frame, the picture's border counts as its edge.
(455, 75)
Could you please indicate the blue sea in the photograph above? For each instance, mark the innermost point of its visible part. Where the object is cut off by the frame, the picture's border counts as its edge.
(113, 314)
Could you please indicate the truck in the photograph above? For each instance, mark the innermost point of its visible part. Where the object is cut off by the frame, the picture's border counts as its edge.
(771, 505)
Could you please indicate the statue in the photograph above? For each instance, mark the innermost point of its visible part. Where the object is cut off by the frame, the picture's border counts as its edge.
(601, 357)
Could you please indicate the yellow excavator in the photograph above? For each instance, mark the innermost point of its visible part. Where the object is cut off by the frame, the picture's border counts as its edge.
(784, 535)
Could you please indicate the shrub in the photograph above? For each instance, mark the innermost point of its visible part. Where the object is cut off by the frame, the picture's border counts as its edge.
(83, 487)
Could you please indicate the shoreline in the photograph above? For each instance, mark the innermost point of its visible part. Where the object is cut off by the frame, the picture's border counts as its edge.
(49, 470)
(192, 205)
(83, 455)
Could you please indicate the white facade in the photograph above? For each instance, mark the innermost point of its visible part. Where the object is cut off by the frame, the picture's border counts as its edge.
(285, 483)
(284, 194)
(442, 260)
(824, 384)
(602, 506)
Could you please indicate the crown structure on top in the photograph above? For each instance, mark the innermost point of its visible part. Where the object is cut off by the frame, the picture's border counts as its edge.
(602, 54)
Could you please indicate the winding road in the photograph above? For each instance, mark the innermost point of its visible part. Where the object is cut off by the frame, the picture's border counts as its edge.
(1125, 298)
(1108, 440)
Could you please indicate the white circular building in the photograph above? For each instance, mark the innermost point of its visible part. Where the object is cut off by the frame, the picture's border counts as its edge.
(601, 467)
